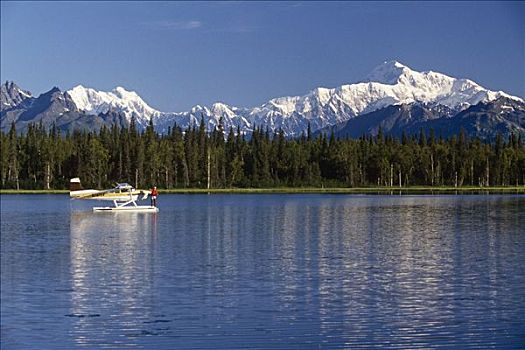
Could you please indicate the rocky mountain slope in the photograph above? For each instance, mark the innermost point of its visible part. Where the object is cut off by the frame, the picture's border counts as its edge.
(484, 120)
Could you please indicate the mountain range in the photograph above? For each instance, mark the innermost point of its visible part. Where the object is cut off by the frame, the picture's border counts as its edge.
(392, 97)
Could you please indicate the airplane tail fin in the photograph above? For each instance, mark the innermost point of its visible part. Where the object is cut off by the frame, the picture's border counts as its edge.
(75, 185)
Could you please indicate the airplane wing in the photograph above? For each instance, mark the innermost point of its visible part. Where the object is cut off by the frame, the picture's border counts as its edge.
(121, 192)
(77, 192)
(88, 194)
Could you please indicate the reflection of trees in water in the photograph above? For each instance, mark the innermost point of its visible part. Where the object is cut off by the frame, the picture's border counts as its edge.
(112, 267)
(359, 269)
(402, 265)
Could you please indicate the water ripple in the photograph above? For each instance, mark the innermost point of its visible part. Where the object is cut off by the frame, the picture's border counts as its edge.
(272, 271)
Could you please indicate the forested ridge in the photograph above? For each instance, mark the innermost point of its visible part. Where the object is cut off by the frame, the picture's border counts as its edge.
(45, 159)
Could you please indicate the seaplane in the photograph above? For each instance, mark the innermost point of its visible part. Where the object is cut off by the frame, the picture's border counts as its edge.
(123, 196)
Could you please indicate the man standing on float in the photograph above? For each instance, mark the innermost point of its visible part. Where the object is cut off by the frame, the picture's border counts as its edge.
(154, 195)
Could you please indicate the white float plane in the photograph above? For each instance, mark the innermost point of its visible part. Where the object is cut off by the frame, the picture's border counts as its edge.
(123, 196)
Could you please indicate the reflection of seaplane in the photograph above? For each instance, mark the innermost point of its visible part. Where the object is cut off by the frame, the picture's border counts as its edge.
(123, 196)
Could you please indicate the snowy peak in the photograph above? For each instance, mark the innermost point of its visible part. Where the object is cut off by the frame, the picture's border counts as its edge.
(122, 93)
(397, 74)
(404, 85)
(119, 99)
(223, 110)
(11, 95)
(389, 72)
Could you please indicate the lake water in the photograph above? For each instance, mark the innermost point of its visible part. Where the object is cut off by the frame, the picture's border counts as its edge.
(265, 271)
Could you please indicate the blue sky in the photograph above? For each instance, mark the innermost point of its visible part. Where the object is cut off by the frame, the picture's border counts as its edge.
(178, 54)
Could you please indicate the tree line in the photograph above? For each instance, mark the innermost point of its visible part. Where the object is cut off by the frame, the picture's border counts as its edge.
(194, 158)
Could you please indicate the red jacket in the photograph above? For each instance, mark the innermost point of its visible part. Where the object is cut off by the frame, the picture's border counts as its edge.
(154, 192)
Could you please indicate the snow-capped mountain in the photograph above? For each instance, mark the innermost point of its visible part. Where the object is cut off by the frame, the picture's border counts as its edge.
(483, 120)
(229, 116)
(389, 84)
(128, 103)
(404, 85)
(11, 95)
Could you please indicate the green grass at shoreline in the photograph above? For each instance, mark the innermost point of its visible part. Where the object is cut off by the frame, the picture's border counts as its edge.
(10, 191)
(331, 190)
(355, 190)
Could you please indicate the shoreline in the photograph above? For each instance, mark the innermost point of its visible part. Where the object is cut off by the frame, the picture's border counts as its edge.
(318, 190)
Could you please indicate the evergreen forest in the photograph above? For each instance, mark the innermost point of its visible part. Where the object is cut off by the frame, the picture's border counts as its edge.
(194, 158)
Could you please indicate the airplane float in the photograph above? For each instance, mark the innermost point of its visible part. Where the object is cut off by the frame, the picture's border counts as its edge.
(123, 196)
